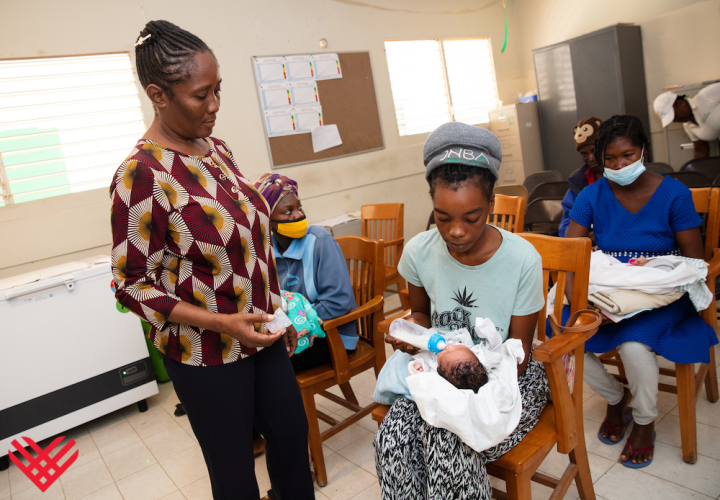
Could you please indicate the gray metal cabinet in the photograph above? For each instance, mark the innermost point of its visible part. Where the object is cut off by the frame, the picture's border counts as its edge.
(599, 74)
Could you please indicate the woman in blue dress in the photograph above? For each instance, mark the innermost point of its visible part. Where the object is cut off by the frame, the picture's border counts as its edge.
(636, 213)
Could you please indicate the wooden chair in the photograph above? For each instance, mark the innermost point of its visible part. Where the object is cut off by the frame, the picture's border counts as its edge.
(385, 222)
(689, 382)
(508, 213)
(512, 190)
(561, 423)
(364, 259)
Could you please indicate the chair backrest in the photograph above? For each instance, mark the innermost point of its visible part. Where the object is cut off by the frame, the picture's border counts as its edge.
(533, 180)
(364, 259)
(508, 213)
(431, 221)
(385, 222)
(574, 172)
(691, 179)
(549, 190)
(561, 256)
(512, 190)
(709, 167)
(659, 168)
(707, 203)
(544, 212)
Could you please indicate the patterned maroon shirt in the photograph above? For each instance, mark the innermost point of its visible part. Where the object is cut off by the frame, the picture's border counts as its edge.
(191, 228)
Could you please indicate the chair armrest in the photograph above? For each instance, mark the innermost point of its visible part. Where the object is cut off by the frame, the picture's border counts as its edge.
(714, 265)
(384, 326)
(395, 242)
(374, 304)
(581, 326)
(338, 354)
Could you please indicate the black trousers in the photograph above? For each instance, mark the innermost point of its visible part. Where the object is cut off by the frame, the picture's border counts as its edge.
(223, 402)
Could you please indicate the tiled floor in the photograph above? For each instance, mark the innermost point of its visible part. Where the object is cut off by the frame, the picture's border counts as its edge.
(154, 455)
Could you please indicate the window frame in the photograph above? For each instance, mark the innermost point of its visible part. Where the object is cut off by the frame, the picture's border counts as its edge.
(446, 77)
(6, 195)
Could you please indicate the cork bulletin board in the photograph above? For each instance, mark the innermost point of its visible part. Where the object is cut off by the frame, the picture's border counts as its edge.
(348, 102)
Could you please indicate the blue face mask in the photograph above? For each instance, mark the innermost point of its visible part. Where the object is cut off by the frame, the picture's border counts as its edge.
(626, 175)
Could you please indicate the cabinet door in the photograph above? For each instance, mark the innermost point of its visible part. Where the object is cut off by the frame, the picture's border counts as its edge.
(596, 73)
(558, 114)
(511, 172)
(511, 149)
(503, 122)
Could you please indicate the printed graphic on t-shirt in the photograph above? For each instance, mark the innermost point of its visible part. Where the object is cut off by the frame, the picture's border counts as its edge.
(457, 318)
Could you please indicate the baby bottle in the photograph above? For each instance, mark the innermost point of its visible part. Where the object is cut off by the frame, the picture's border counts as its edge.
(417, 336)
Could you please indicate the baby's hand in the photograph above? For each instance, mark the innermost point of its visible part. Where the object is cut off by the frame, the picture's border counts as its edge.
(418, 365)
(640, 261)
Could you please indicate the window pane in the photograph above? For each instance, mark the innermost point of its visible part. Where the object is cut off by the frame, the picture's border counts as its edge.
(418, 85)
(471, 76)
(66, 123)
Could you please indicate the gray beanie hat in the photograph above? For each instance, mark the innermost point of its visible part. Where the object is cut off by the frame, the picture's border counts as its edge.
(456, 142)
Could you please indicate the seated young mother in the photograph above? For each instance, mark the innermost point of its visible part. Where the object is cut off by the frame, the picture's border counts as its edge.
(636, 213)
(462, 270)
(309, 262)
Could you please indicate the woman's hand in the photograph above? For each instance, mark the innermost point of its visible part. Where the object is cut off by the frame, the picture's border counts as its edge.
(291, 340)
(605, 319)
(417, 318)
(241, 326)
(399, 344)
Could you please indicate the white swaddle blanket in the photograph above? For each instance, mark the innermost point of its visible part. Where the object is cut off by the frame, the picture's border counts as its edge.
(484, 419)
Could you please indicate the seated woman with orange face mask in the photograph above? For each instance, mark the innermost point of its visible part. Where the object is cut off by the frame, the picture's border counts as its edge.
(309, 262)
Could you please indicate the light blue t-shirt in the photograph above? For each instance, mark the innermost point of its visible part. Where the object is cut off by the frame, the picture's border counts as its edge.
(509, 284)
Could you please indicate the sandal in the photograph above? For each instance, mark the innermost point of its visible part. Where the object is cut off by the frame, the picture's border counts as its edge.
(627, 418)
(640, 465)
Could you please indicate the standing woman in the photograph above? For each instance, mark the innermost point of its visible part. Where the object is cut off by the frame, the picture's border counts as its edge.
(192, 256)
(636, 213)
(463, 270)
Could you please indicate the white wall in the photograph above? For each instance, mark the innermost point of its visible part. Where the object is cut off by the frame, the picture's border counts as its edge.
(680, 39)
(72, 226)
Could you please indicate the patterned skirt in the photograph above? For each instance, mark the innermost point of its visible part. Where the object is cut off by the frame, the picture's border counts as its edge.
(415, 460)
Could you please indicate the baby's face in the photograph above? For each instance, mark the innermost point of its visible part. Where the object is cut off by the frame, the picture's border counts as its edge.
(453, 354)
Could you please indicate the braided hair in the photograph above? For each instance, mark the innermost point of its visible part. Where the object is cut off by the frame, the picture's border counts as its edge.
(164, 54)
(629, 127)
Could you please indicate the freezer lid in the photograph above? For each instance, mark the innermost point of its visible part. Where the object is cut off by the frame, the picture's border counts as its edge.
(64, 274)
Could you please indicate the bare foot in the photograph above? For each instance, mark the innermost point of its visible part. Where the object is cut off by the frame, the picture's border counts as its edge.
(641, 438)
(614, 417)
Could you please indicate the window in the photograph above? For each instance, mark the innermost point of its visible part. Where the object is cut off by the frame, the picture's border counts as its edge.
(66, 124)
(434, 82)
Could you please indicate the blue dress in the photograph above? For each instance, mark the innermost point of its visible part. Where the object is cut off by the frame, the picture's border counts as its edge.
(676, 331)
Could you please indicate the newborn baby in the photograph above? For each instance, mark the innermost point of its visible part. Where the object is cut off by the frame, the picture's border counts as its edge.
(460, 366)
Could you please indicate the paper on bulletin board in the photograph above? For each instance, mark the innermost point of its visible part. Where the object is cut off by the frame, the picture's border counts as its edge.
(300, 67)
(305, 93)
(308, 118)
(276, 95)
(327, 66)
(270, 69)
(325, 137)
(280, 122)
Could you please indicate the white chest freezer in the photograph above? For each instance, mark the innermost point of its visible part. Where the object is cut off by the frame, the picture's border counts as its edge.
(67, 355)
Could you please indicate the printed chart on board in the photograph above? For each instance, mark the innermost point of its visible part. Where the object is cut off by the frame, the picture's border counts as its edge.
(287, 86)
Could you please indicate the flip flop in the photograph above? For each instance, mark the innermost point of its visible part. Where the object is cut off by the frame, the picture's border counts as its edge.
(627, 418)
(639, 465)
